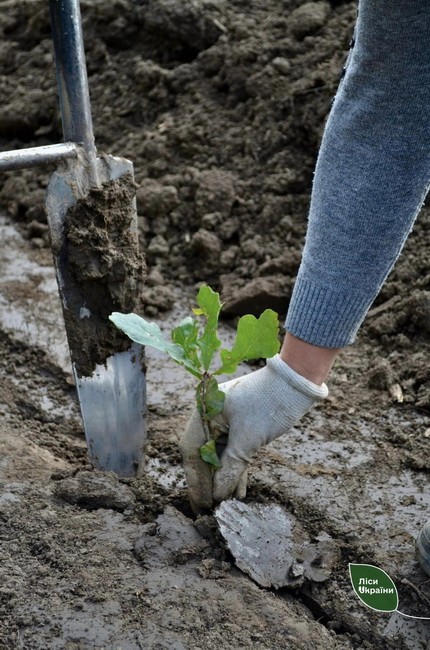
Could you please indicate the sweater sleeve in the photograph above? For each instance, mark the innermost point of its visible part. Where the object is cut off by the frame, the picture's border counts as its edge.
(372, 173)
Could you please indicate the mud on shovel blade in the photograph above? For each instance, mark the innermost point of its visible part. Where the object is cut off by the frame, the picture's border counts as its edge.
(94, 243)
(93, 224)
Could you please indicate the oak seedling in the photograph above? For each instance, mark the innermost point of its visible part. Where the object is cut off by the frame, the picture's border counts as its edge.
(194, 345)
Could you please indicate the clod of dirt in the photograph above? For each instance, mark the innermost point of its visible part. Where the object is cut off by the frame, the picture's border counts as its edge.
(212, 569)
(418, 461)
(35, 229)
(381, 375)
(308, 18)
(271, 292)
(104, 272)
(215, 193)
(170, 540)
(231, 129)
(409, 316)
(155, 200)
(271, 546)
(94, 490)
(206, 245)
(149, 75)
(157, 299)
(188, 22)
(285, 264)
(38, 111)
(417, 308)
(158, 247)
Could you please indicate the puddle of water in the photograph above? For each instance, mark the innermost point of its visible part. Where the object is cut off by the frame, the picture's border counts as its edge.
(9, 497)
(40, 396)
(368, 499)
(17, 268)
(38, 326)
(414, 634)
(38, 322)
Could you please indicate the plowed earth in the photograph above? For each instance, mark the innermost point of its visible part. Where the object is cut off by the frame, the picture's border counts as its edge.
(221, 107)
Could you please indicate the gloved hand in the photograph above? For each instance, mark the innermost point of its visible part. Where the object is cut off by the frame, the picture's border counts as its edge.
(258, 408)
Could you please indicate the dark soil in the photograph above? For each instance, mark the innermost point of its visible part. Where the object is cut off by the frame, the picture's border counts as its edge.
(221, 107)
(103, 271)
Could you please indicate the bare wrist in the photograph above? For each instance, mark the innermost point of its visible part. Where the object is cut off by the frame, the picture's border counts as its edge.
(310, 361)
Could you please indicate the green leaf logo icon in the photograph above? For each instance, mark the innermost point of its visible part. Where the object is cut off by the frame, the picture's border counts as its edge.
(374, 587)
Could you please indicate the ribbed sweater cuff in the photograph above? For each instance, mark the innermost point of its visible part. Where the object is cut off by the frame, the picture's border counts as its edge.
(325, 316)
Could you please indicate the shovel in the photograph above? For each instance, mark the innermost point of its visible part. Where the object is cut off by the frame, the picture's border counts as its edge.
(92, 220)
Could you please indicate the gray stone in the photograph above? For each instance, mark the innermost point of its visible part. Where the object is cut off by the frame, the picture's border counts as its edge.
(271, 546)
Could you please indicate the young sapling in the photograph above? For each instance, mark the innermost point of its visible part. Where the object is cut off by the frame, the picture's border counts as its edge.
(195, 350)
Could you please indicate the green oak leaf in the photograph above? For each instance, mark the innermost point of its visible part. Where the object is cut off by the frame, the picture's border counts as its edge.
(140, 331)
(209, 307)
(209, 455)
(374, 587)
(255, 338)
(186, 335)
(214, 399)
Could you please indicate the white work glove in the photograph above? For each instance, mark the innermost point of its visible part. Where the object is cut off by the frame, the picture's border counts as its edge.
(258, 408)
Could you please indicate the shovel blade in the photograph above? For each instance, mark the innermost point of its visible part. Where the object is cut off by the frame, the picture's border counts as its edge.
(113, 406)
(92, 273)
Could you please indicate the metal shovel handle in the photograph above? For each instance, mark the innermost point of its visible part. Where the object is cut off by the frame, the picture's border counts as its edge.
(72, 76)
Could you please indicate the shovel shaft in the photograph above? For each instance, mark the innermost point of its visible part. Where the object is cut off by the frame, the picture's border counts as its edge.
(72, 76)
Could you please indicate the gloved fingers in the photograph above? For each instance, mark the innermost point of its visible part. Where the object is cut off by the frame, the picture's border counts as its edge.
(221, 444)
(198, 473)
(228, 478)
(240, 491)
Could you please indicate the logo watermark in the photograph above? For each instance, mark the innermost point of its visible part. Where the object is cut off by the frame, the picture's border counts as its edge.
(376, 590)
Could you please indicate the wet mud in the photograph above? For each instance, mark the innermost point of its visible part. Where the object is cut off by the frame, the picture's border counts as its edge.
(102, 271)
(90, 560)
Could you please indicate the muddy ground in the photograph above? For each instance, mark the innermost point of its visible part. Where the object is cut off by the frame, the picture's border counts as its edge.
(221, 107)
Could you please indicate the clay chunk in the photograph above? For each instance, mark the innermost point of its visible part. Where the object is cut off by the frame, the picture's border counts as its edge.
(270, 545)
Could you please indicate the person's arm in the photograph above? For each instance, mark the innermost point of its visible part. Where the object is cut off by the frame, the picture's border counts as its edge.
(372, 173)
(310, 361)
(371, 178)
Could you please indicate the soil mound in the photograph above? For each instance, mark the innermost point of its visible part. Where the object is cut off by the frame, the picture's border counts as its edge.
(219, 105)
